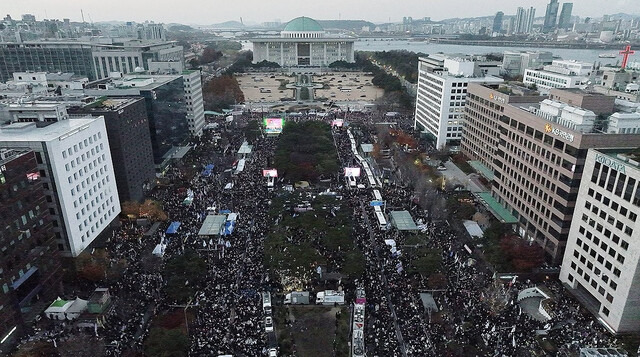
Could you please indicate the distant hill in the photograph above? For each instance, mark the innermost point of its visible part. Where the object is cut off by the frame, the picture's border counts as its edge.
(229, 25)
(345, 24)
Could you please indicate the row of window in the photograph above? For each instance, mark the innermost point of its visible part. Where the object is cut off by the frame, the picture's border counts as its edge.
(617, 183)
(619, 224)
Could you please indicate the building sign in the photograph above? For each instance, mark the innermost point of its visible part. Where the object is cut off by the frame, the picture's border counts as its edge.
(607, 161)
(548, 128)
(497, 99)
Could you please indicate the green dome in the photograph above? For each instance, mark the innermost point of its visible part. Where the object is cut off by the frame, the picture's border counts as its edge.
(302, 24)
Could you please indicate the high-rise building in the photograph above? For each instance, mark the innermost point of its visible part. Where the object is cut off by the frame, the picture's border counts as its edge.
(30, 266)
(564, 21)
(441, 96)
(550, 16)
(515, 63)
(601, 265)
(129, 140)
(167, 108)
(524, 20)
(91, 59)
(497, 22)
(533, 150)
(560, 74)
(76, 171)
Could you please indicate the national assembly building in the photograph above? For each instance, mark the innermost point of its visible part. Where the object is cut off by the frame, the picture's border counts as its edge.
(303, 43)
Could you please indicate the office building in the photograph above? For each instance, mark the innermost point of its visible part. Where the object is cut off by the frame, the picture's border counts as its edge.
(560, 74)
(514, 63)
(441, 96)
(194, 101)
(133, 56)
(564, 21)
(76, 171)
(129, 141)
(303, 42)
(94, 60)
(533, 150)
(73, 57)
(166, 108)
(497, 22)
(601, 265)
(550, 16)
(30, 266)
(524, 20)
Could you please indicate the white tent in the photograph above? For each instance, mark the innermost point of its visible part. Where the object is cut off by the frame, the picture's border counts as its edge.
(66, 309)
(158, 251)
(473, 228)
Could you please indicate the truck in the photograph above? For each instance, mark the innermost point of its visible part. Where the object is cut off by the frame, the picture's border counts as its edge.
(297, 298)
(330, 297)
(266, 303)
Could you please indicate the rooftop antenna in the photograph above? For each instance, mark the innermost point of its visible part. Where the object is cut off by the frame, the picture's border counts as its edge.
(82, 13)
(241, 20)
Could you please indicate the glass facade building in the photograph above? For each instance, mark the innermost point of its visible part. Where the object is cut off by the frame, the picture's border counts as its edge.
(29, 262)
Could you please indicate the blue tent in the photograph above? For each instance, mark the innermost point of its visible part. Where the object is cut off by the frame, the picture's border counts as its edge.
(173, 228)
(228, 228)
(207, 170)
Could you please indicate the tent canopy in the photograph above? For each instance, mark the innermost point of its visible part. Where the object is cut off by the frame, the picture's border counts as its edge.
(212, 225)
(402, 221)
(173, 228)
(428, 302)
(366, 148)
(473, 229)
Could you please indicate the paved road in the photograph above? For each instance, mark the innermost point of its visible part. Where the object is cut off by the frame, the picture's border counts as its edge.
(401, 343)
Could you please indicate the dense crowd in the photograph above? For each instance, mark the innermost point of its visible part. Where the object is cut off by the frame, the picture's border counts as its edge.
(227, 313)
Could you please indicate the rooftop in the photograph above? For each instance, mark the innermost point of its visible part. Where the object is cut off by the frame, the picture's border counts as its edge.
(403, 221)
(18, 132)
(303, 24)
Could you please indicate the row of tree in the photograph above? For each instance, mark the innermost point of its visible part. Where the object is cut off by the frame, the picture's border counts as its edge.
(404, 62)
(306, 151)
(221, 93)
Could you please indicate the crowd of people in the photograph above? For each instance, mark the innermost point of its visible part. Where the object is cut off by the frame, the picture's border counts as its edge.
(227, 313)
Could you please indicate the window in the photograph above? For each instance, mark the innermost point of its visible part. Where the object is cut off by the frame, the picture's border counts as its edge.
(616, 272)
(605, 311)
(613, 285)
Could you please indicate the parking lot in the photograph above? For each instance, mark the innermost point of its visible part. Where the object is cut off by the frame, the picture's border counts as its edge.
(348, 86)
(263, 87)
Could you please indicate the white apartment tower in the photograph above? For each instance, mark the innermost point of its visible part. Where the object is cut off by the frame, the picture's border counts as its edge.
(441, 97)
(75, 166)
(195, 103)
(601, 263)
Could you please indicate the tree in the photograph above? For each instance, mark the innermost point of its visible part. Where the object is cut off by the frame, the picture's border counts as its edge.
(209, 54)
(131, 209)
(184, 273)
(152, 210)
(221, 93)
(166, 343)
(252, 130)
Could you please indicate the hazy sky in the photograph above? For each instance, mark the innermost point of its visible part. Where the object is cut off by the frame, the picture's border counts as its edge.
(215, 11)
